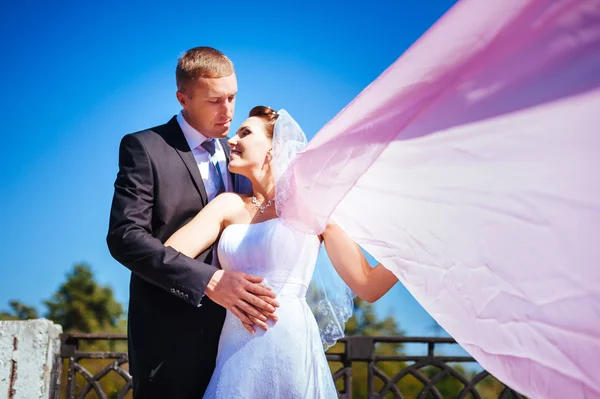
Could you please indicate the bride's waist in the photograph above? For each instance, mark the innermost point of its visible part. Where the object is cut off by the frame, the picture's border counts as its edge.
(282, 283)
(287, 289)
(293, 313)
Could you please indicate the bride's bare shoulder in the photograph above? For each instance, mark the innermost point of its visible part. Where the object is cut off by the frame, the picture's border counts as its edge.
(231, 205)
(231, 199)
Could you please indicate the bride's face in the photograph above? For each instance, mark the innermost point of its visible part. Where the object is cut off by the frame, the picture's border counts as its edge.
(250, 147)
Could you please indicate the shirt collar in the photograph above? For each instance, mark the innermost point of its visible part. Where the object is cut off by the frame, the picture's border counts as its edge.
(193, 137)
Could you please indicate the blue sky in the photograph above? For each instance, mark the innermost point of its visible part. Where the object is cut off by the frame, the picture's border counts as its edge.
(77, 77)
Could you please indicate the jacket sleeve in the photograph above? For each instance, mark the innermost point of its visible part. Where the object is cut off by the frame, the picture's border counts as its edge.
(130, 239)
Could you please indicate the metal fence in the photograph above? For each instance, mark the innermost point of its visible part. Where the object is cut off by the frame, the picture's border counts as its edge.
(428, 370)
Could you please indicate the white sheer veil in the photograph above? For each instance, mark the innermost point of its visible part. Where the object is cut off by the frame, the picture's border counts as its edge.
(328, 296)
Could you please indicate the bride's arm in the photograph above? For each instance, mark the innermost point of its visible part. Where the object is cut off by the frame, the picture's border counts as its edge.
(369, 283)
(240, 293)
(204, 229)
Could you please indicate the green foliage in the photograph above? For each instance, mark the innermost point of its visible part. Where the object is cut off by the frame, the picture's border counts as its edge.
(79, 305)
(82, 305)
(365, 322)
(19, 311)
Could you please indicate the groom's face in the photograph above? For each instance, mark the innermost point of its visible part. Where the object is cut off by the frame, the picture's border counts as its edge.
(208, 104)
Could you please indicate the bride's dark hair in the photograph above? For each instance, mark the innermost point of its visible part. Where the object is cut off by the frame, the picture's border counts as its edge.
(268, 115)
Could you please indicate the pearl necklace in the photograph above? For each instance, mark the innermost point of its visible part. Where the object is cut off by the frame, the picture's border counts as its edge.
(261, 208)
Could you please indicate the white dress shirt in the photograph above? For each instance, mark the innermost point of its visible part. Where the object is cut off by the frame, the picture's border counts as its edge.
(210, 178)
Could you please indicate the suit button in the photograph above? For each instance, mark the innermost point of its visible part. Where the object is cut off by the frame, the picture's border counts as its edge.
(186, 296)
(172, 290)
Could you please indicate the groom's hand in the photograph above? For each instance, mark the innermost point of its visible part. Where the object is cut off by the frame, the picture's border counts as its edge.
(244, 296)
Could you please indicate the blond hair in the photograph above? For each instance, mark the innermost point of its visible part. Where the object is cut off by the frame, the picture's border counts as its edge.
(201, 62)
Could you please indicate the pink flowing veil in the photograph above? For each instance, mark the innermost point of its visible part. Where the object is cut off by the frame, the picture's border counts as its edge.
(328, 296)
(469, 169)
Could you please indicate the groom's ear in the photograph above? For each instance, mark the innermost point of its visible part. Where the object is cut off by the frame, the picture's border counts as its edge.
(182, 98)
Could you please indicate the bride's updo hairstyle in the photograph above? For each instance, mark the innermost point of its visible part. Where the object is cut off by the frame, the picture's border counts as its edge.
(268, 116)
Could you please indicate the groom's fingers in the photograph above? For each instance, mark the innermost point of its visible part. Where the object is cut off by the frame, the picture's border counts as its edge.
(256, 321)
(256, 287)
(270, 301)
(258, 303)
(248, 321)
(252, 278)
(261, 290)
(249, 327)
(272, 315)
(259, 323)
(251, 311)
(241, 315)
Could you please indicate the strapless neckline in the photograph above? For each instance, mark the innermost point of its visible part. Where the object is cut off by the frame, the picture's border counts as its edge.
(247, 226)
(291, 357)
(251, 224)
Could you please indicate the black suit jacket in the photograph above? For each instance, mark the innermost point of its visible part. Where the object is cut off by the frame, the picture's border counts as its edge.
(173, 329)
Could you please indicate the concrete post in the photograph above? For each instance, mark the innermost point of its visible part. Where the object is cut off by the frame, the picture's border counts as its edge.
(29, 351)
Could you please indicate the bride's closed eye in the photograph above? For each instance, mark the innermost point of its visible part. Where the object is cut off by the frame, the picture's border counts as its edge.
(244, 132)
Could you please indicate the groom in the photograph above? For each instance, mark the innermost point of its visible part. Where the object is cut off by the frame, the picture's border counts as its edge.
(167, 174)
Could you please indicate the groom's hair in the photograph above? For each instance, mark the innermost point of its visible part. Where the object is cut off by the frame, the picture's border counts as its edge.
(201, 62)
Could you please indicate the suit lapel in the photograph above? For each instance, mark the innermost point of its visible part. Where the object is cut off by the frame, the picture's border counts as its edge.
(185, 153)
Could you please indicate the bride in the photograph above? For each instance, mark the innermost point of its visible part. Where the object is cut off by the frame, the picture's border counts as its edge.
(253, 240)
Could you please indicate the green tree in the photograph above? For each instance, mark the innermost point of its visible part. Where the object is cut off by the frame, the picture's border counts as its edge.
(364, 321)
(19, 311)
(83, 305)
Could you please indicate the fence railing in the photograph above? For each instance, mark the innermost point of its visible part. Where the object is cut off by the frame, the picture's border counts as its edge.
(96, 365)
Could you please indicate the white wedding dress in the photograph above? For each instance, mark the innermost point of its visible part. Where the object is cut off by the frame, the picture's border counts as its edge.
(288, 360)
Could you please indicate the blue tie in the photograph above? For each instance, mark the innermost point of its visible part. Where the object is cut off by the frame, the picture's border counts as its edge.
(210, 146)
